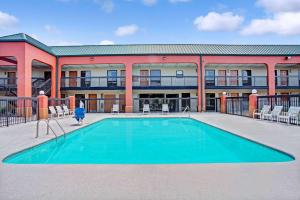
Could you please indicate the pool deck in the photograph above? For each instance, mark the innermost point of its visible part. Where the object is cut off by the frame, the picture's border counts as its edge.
(257, 181)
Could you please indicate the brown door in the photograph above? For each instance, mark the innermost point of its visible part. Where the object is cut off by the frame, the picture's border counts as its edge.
(72, 78)
(144, 77)
(109, 100)
(11, 78)
(92, 103)
(63, 80)
(221, 77)
(122, 102)
(284, 77)
(234, 77)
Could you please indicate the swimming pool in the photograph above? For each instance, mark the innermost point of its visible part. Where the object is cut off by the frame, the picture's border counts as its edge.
(148, 141)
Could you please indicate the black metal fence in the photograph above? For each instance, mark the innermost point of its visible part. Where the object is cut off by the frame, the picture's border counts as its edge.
(279, 100)
(237, 106)
(101, 105)
(174, 104)
(16, 110)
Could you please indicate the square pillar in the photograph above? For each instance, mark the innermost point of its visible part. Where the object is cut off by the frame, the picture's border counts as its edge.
(24, 72)
(271, 78)
(128, 88)
(252, 104)
(72, 103)
(43, 107)
(53, 82)
(199, 89)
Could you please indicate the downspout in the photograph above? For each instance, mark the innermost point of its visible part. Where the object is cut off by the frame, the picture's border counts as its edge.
(56, 78)
(201, 80)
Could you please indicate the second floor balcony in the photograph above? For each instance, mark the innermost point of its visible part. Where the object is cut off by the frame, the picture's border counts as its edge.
(287, 82)
(164, 82)
(93, 83)
(236, 82)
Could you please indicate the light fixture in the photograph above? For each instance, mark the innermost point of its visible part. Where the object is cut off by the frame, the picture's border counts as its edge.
(254, 91)
(288, 57)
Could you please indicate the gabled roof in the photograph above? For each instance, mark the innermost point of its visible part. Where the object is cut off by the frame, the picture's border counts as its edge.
(158, 49)
(22, 37)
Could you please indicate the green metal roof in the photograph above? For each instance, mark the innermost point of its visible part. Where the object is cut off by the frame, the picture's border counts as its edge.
(158, 49)
(22, 37)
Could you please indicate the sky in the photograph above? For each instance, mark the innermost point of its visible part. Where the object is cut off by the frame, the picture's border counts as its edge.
(81, 22)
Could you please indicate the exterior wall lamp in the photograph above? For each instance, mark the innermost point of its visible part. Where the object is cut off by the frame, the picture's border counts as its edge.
(288, 57)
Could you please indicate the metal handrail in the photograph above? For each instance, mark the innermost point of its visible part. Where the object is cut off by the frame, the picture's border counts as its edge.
(47, 121)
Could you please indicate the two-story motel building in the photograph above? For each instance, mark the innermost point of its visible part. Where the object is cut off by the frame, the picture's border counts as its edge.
(129, 72)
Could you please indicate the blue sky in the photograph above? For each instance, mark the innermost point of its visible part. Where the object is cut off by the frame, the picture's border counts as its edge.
(72, 22)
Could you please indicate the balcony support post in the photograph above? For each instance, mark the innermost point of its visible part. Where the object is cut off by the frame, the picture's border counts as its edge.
(271, 78)
(128, 88)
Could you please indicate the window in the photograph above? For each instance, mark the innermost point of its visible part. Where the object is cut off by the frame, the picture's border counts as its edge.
(179, 73)
(155, 78)
(247, 79)
(210, 77)
(112, 78)
(85, 78)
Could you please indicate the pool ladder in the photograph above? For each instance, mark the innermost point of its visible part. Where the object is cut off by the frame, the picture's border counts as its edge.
(187, 110)
(49, 127)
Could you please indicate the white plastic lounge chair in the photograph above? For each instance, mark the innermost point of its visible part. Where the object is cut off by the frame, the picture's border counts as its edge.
(291, 115)
(274, 113)
(67, 111)
(53, 112)
(146, 108)
(59, 111)
(265, 110)
(165, 108)
(115, 108)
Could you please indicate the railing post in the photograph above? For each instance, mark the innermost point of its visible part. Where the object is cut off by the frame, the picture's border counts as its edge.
(223, 103)
(252, 102)
(42, 107)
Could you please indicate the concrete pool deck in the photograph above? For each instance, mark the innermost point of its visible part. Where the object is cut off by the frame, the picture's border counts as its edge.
(183, 181)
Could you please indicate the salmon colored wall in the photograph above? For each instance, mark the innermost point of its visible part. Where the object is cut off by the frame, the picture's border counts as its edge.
(269, 61)
(129, 61)
(25, 54)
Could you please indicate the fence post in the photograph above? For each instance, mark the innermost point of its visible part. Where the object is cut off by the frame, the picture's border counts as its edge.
(72, 103)
(42, 106)
(252, 102)
(223, 104)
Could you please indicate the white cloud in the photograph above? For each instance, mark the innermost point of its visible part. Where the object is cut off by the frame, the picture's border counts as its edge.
(126, 30)
(150, 2)
(7, 21)
(107, 42)
(179, 1)
(280, 5)
(286, 23)
(34, 36)
(106, 5)
(51, 29)
(218, 22)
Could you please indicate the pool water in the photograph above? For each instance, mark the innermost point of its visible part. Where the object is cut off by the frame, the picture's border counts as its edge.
(148, 141)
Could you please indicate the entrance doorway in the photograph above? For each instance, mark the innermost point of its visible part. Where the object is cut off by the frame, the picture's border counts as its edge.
(11, 78)
(109, 100)
(173, 103)
(210, 101)
(72, 78)
(92, 103)
(47, 75)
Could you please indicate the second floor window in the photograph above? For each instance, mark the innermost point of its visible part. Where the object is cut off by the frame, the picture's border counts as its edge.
(112, 80)
(209, 77)
(155, 78)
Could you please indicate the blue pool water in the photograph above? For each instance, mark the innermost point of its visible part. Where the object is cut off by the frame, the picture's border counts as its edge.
(148, 141)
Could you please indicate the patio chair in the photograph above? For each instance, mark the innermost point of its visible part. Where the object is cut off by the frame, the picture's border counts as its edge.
(53, 112)
(115, 108)
(59, 111)
(146, 108)
(274, 113)
(265, 110)
(165, 108)
(67, 111)
(292, 114)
